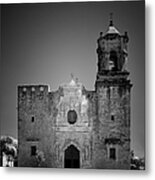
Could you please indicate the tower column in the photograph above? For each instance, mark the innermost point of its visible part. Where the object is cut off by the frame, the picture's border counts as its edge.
(113, 91)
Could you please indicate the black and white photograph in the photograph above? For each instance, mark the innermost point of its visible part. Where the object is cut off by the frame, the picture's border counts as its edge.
(73, 85)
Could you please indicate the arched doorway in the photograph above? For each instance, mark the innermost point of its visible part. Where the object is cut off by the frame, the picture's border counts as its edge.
(72, 157)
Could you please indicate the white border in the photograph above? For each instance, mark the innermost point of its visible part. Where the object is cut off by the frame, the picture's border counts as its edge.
(39, 174)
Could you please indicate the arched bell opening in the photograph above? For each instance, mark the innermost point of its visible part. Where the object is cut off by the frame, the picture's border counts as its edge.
(113, 61)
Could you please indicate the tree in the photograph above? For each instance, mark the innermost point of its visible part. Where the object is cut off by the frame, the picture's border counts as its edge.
(136, 162)
(40, 158)
(8, 148)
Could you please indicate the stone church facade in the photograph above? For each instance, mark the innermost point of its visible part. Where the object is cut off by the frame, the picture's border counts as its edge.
(78, 128)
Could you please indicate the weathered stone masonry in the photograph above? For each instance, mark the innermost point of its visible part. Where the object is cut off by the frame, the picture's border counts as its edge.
(77, 128)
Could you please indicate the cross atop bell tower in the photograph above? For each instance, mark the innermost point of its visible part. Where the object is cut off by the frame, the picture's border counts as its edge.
(111, 19)
(112, 50)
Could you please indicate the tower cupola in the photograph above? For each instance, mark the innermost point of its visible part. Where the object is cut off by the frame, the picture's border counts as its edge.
(112, 30)
(112, 50)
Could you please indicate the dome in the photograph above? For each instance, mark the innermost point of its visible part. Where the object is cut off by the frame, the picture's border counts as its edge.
(112, 30)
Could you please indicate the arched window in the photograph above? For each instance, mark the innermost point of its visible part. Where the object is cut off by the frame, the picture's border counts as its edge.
(72, 116)
(113, 61)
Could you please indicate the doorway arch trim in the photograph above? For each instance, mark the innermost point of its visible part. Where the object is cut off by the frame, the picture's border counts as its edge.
(67, 146)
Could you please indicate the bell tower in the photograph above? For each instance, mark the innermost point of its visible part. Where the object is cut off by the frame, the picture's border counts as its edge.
(112, 51)
(112, 88)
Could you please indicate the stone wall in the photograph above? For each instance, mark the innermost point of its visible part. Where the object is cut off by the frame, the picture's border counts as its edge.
(102, 123)
(112, 129)
(34, 124)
